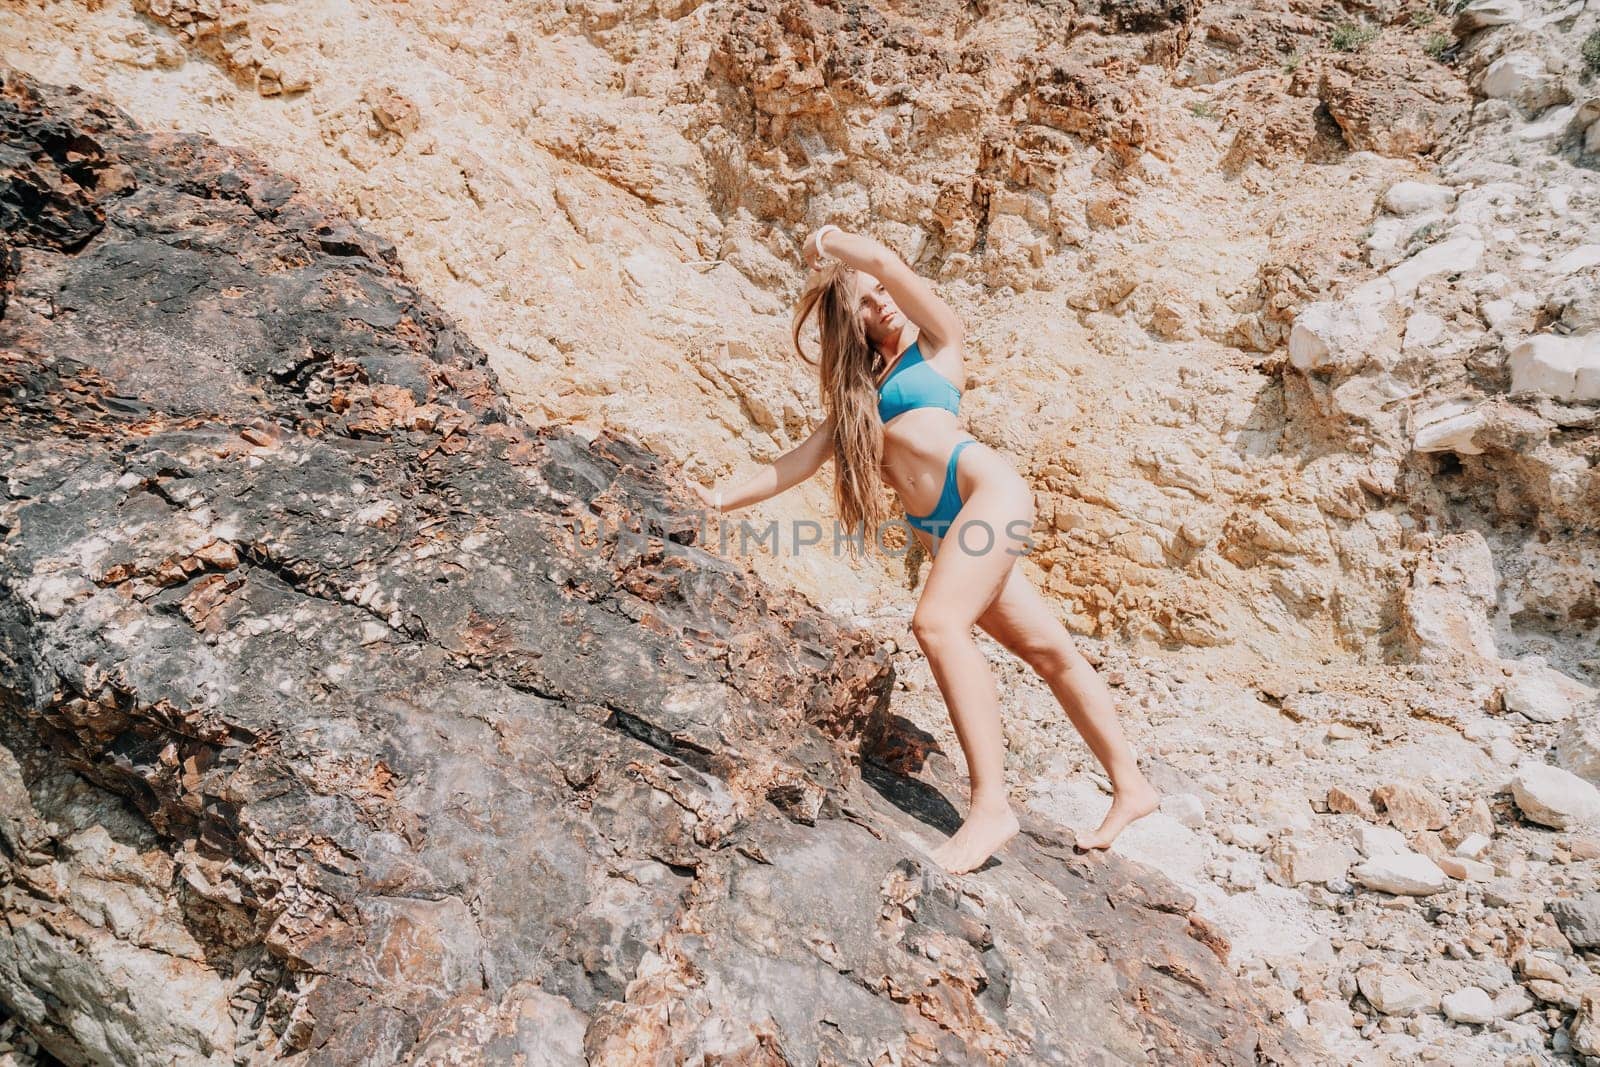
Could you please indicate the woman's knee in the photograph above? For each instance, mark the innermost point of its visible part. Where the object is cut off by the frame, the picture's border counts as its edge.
(934, 633)
(1052, 659)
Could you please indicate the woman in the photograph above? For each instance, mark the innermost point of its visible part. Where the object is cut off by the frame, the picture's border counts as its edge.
(888, 384)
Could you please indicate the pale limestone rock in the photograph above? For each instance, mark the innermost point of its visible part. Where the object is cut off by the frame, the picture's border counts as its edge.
(1410, 806)
(1498, 313)
(1565, 368)
(1543, 694)
(1446, 607)
(1245, 835)
(1578, 748)
(1450, 428)
(1472, 846)
(1283, 813)
(1413, 198)
(1456, 255)
(1334, 333)
(1393, 990)
(1556, 798)
(1551, 125)
(1511, 1002)
(1375, 841)
(1536, 965)
(1186, 808)
(1422, 328)
(1579, 258)
(1303, 861)
(1523, 79)
(1579, 919)
(1480, 14)
(1465, 870)
(1407, 874)
(1470, 1005)
(1329, 1015)
(1585, 1031)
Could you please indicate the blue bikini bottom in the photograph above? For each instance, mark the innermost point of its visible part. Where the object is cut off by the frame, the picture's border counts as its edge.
(938, 521)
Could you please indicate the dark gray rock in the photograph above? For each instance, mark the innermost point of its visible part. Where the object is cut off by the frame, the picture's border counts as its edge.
(1579, 919)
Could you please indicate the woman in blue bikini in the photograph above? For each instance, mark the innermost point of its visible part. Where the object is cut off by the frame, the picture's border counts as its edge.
(888, 384)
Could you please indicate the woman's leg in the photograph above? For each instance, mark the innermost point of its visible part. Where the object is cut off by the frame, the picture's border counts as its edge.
(968, 572)
(1022, 621)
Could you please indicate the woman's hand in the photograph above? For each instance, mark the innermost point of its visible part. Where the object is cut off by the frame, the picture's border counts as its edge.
(812, 251)
(711, 498)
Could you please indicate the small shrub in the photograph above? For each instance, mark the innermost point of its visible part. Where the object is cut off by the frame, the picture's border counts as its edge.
(1350, 37)
(1422, 16)
(1591, 52)
(1437, 45)
(1203, 109)
(1292, 64)
(1425, 235)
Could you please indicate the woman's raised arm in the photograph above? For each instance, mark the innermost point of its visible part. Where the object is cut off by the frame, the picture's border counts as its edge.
(911, 293)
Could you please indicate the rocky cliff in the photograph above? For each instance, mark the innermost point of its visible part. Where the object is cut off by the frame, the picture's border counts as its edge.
(334, 733)
(1285, 309)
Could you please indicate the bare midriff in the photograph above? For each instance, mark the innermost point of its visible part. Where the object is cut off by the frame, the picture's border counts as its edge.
(916, 447)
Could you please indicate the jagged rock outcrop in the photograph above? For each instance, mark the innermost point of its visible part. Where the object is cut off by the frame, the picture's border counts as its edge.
(337, 725)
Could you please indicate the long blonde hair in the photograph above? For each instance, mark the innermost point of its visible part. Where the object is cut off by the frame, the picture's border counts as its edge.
(850, 395)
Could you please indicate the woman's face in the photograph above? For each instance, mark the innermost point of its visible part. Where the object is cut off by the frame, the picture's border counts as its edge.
(881, 320)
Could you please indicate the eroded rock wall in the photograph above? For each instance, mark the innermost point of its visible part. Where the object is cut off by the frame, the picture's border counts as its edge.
(1126, 204)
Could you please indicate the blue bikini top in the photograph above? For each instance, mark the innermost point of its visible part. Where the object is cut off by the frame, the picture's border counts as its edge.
(915, 384)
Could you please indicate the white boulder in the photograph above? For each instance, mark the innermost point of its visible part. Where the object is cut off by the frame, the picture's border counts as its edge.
(1393, 991)
(1470, 1005)
(1550, 125)
(1376, 841)
(1555, 798)
(1413, 198)
(1446, 608)
(1565, 368)
(1481, 14)
(1578, 748)
(1523, 79)
(1409, 874)
(1542, 693)
(1456, 255)
(1423, 328)
(1579, 258)
(1334, 333)
(1450, 428)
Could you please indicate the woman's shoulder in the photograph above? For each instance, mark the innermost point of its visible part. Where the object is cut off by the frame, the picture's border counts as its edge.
(949, 358)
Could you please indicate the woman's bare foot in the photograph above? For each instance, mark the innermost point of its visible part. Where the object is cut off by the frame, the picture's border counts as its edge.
(1129, 803)
(986, 829)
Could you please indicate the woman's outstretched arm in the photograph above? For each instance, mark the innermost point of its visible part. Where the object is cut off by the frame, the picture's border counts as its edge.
(911, 293)
(783, 473)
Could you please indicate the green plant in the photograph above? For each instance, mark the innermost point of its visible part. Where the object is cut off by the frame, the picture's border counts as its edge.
(1203, 109)
(1591, 52)
(1292, 64)
(1425, 235)
(1350, 36)
(1437, 45)
(1422, 16)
